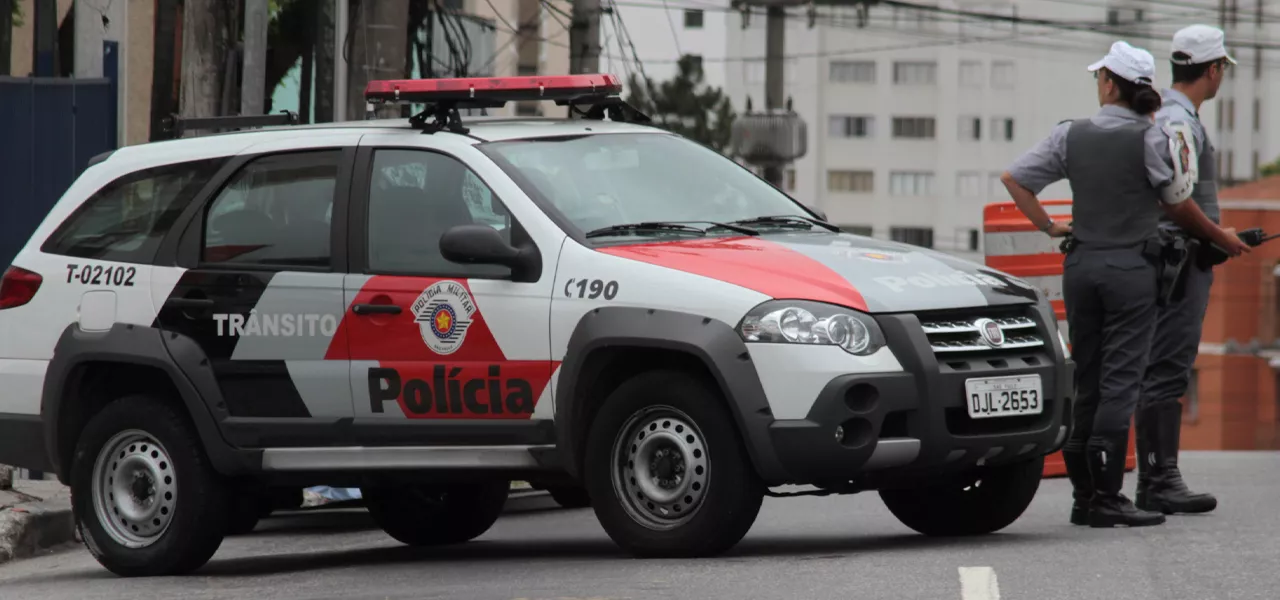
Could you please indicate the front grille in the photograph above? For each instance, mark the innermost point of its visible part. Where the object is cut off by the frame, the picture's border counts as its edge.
(961, 335)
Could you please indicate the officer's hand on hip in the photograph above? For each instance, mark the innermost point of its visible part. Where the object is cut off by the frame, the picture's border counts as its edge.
(1058, 229)
(1232, 244)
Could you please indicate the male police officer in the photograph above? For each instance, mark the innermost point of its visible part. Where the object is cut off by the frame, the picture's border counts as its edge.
(1122, 172)
(1200, 61)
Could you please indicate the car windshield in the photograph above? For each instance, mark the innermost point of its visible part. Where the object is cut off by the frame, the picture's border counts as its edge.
(607, 180)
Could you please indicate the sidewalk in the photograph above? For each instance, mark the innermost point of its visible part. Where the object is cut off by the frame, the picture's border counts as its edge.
(34, 515)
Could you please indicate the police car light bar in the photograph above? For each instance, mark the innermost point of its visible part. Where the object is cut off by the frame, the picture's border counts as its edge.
(493, 90)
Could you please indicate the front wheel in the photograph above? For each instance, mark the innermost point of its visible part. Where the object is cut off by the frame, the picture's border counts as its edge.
(666, 469)
(147, 502)
(988, 502)
(569, 496)
(430, 515)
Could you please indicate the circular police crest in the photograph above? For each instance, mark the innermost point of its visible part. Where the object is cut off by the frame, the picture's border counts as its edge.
(443, 313)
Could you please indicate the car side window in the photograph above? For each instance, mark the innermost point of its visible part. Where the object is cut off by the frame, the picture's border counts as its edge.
(415, 196)
(126, 219)
(275, 212)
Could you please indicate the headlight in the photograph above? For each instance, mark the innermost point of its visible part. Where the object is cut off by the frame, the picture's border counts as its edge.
(802, 322)
(1066, 349)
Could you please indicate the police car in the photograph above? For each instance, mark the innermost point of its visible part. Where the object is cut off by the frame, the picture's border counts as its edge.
(431, 308)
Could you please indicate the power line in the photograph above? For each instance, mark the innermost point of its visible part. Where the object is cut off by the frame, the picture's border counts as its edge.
(674, 36)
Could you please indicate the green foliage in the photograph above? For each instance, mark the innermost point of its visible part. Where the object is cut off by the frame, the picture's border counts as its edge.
(1271, 169)
(686, 105)
(17, 15)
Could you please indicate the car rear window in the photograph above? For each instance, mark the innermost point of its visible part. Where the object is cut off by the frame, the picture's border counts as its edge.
(126, 219)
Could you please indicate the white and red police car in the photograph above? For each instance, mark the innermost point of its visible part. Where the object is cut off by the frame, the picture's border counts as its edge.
(431, 308)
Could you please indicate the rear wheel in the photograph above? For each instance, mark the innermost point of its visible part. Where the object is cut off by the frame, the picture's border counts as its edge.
(429, 515)
(988, 502)
(666, 471)
(147, 502)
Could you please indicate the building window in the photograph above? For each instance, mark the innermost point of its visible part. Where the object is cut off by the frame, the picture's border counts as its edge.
(1231, 113)
(1256, 165)
(1257, 114)
(1003, 74)
(917, 236)
(863, 230)
(969, 185)
(852, 71)
(1231, 166)
(526, 70)
(997, 187)
(1002, 128)
(911, 183)
(915, 73)
(791, 180)
(850, 126)
(528, 109)
(967, 239)
(970, 128)
(692, 18)
(971, 73)
(696, 60)
(1257, 53)
(850, 181)
(920, 128)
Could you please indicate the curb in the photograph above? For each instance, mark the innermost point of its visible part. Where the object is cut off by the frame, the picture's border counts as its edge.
(26, 529)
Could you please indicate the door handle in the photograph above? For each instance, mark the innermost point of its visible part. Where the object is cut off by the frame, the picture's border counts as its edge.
(189, 303)
(377, 309)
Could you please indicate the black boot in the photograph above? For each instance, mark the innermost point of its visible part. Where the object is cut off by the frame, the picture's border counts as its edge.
(1162, 490)
(1109, 507)
(1077, 463)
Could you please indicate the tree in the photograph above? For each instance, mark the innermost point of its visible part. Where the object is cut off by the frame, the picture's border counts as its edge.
(685, 105)
(1271, 169)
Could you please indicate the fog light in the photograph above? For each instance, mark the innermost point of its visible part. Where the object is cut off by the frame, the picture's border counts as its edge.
(839, 433)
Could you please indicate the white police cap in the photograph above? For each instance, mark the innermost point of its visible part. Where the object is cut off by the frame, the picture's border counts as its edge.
(1132, 64)
(1200, 44)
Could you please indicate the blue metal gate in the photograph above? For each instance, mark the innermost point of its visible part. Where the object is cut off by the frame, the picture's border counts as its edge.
(49, 129)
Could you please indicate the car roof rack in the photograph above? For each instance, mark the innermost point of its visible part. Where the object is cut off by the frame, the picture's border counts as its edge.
(177, 125)
(444, 97)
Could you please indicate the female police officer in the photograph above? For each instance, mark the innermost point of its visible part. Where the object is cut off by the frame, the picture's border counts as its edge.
(1122, 172)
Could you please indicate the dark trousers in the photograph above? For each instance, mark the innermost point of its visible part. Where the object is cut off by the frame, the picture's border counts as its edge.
(1173, 352)
(1110, 297)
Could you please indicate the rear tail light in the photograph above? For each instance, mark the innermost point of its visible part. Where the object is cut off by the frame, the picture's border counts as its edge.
(18, 287)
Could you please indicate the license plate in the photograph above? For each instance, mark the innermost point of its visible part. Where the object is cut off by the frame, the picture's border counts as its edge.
(1004, 396)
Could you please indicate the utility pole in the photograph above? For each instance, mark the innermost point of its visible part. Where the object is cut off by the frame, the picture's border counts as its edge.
(254, 84)
(322, 102)
(341, 66)
(45, 41)
(775, 30)
(6, 35)
(584, 37)
(204, 58)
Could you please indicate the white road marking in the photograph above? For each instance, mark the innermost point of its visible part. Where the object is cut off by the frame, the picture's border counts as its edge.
(978, 583)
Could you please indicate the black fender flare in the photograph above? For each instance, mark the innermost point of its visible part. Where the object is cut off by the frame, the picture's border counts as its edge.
(713, 342)
(176, 355)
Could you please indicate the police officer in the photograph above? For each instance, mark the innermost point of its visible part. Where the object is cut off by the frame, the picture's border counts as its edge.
(1120, 167)
(1200, 61)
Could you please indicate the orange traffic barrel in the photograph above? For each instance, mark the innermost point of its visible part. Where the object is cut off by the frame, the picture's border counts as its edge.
(1013, 245)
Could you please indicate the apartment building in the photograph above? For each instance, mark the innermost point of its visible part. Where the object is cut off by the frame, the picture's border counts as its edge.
(658, 33)
(913, 114)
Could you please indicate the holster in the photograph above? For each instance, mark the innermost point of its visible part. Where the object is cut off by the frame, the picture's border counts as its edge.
(1174, 251)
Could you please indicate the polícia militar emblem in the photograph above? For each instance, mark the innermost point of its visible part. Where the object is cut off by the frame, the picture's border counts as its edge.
(443, 313)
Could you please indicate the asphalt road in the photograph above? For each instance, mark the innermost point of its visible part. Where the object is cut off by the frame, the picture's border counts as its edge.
(833, 547)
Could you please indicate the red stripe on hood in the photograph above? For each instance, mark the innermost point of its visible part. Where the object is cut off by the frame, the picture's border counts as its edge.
(766, 267)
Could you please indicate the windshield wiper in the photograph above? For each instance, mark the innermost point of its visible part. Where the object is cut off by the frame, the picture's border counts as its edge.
(788, 219)
(667, 226)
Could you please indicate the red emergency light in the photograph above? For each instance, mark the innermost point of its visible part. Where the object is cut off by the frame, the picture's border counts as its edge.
(496, 90)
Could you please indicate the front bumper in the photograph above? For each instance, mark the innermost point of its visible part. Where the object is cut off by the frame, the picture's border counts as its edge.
(914, 423)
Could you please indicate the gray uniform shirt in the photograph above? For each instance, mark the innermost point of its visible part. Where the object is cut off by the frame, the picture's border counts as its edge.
(1178, 108)
(1046, 162)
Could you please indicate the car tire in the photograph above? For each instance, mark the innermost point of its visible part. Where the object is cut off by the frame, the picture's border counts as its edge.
(975, 506)
(139, 461)
(248, 505)
(697, 495)
(433, 515)
(570, 496)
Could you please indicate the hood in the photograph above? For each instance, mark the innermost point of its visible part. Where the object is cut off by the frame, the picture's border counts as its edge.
(839, 268)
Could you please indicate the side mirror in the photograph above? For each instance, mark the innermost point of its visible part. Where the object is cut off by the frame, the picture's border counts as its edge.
(483, 245)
